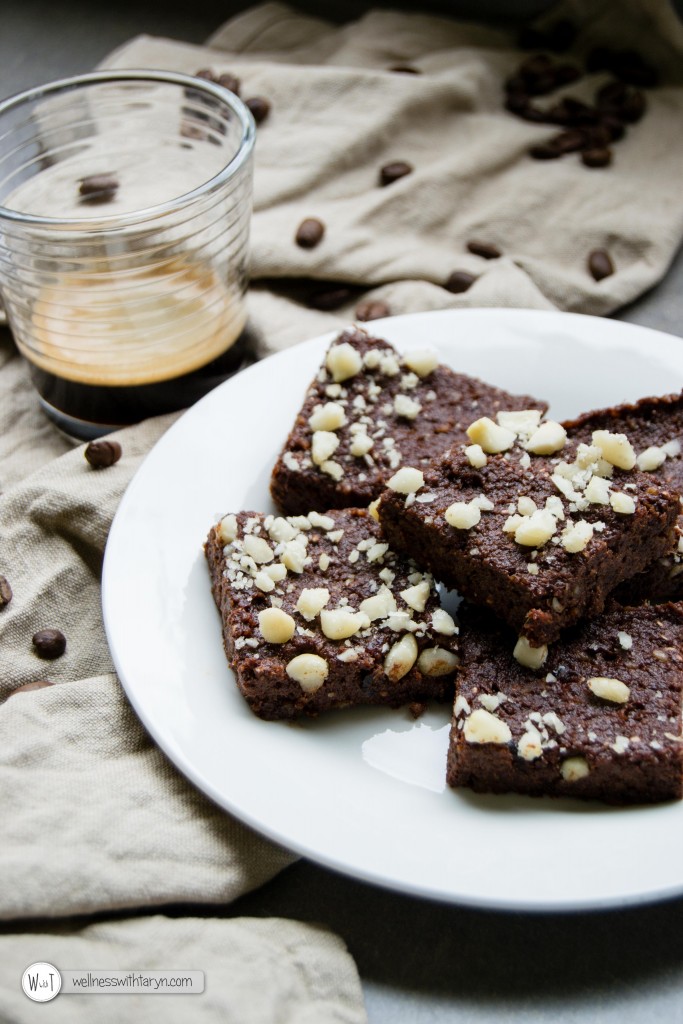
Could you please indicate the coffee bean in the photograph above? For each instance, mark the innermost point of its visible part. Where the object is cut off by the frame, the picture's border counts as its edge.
(309, 233)
(600, 264)
(329, 299)
(207, 74)
(532, 67)
(484, 249)
(405, 69)
(614, 127)
(393, 171)
(98, 188)
(620, 101)
(230, 82)
(102, 454)
(573, 113)
(545, 151)
(521, 105)
(37, 684)
(372, 309)
(597, 157)
(49, 643)
(259, 107)
(568, 142)
(5, 592)
(596, 136)
(459, 281)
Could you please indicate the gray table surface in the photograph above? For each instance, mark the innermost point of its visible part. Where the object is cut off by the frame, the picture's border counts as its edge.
(420, 962)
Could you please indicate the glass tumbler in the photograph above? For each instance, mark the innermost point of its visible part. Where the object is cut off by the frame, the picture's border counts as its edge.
(125, 201)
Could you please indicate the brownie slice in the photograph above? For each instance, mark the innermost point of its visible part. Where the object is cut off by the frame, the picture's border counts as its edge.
(651, 423)
(602, 720)
(540, 538)
(370, 410)
(319, 613)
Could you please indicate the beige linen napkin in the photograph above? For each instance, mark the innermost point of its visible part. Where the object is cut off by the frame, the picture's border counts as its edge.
(256, 972)
(338, 114)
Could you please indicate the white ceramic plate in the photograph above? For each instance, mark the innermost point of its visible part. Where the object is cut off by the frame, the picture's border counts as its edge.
(363, 791)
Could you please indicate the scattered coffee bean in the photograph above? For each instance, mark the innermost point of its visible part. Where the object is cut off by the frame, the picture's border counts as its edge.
(329, 299)
(620, 101)
(259, 107)
(5, 592)
(393, 171)
(230, 82)
(600, 264)
(309, 233)
(572, 113)
(598, 157)
(207, 74)
(614, 127)
(545, 151)
(372, 309)
(459, 281)
(524, 108)
(49, 643)
(405, 69)
(484, 249)
(37, 684)
(98, 188)
(102, 454)
(568, 142)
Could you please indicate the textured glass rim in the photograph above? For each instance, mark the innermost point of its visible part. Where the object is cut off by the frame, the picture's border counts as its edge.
(150, 212)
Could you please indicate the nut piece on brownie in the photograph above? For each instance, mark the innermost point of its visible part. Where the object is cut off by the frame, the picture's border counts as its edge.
(535, 527)
(369, 411)
(601, 720)
(318, 612)
(655, 428)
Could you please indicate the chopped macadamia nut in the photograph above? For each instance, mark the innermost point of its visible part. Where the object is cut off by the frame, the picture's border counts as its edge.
(463, 515)
(521, 421)
(577, 536)
(338, 624)
(625, 640)
(333, 469)
(343, 361)
(276, 626)
(320, 521)
(407, 481)
(476, 456)
(227, 529)
(280, 530)
(622, 503)
(528, 656)
(530, 745)
(443, 623)
(483, 727)
(258, 549)
(311, 601)
(277, 571)
(491, 437)
(652, 458)
(416, 597)
(294, 555)
(380, 605)
(406, 407)
(615, 448)
(308, 670)
(361, 445)
(330, 416)
(372, 507)
(526, 506)
(421, 362)
(401, 658)
(535, 530)
(609, 689)
(435, 661)
(574, 768)
(323, 444)
(264, 582)
(549, 438)
(597, 491)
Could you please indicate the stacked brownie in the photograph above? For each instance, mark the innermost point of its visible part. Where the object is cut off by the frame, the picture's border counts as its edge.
(399, 472)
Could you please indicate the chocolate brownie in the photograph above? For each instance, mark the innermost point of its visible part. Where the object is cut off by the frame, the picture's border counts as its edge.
(369, 411)
(655, 427)
(318, 613)
(602, 720)
(536, 527)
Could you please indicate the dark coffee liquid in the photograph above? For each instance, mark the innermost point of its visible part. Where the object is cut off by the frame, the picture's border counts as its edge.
(90, 410)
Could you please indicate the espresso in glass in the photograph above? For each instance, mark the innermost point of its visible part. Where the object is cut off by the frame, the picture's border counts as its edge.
(128, 302)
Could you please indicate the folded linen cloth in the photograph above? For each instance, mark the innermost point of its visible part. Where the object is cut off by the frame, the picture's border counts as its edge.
(339, 114)
(95, 818)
